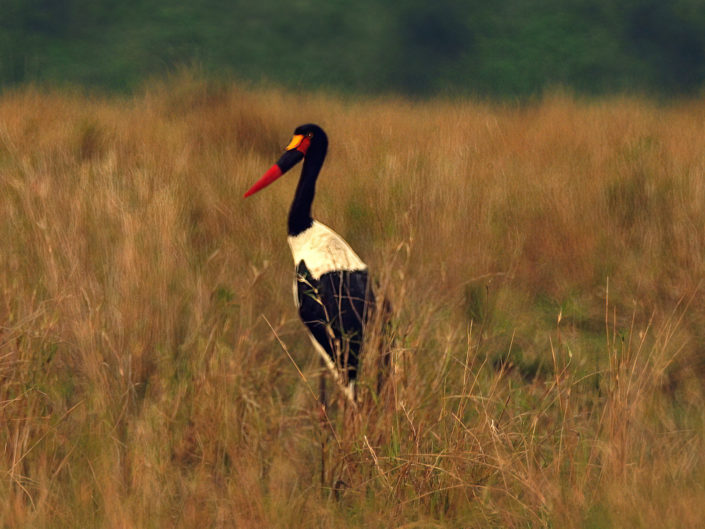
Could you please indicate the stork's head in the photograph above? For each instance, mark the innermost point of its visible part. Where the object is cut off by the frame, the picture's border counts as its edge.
(309, 139)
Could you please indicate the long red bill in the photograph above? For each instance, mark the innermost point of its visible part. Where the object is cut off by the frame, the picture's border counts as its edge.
(270, 176)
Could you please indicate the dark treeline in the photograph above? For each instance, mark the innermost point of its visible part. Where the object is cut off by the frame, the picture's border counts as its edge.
(502, 48)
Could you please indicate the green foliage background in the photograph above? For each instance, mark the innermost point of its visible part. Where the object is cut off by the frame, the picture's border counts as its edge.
(505, 48)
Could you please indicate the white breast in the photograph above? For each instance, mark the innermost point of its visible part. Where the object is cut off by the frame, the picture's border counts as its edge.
(323, 251)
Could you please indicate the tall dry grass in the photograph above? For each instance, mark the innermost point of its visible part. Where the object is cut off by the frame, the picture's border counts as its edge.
(545, 264)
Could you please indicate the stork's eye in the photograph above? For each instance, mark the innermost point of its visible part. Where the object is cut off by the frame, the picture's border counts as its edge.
(309, 134)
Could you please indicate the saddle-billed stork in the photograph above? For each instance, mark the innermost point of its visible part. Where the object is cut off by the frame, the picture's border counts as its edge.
(331, 287)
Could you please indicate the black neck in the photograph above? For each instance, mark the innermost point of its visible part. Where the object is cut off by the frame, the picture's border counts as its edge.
(300, 213)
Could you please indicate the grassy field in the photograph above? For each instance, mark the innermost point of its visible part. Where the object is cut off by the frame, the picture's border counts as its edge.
(545, 264)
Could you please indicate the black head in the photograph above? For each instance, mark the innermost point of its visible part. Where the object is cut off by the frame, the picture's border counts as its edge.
(317, 136)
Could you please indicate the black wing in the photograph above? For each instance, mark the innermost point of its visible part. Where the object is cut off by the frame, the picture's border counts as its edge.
(335, 308)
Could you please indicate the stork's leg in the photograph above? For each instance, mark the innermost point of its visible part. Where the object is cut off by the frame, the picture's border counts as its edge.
(322, 386)
(323, 405)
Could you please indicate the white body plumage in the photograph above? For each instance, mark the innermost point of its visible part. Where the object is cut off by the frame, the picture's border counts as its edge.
(323, 250)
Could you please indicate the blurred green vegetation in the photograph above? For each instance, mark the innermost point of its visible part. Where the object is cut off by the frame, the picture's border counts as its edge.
(506, 48)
